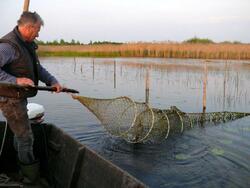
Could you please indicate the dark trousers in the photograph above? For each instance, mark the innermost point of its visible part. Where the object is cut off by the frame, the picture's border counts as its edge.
(15, 112)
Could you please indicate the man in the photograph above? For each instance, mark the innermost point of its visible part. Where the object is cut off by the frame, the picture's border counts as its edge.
(19, 64)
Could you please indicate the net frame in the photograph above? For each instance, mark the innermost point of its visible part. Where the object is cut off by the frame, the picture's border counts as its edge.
(120, 122)
(92, 103)
(137, 122)
(161, 127)
(141, 108)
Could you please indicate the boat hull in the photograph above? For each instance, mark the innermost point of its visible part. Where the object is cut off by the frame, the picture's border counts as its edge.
(65, 162)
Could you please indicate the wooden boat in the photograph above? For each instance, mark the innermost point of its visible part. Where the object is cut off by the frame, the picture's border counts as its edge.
(64, 162)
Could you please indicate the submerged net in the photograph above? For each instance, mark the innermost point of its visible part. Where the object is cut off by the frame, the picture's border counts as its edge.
(116, 115)
(142, 126)
(138, 122)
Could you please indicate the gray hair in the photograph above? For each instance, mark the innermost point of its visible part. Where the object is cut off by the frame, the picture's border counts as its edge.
(29, 18)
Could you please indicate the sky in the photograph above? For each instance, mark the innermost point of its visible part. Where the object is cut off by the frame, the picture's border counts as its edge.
(134, 20)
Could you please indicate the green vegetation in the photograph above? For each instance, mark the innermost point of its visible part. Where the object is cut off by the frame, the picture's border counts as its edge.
(194, 48)
(168, 53)
(226, 141)
(103, 42)
(61, 42)
(229, 42)
(77, 54)
(199, 41)
(182, 156)
(74, 42)
(194, 40)
(217, 151)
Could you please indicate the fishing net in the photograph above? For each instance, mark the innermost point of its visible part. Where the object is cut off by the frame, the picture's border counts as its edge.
(215, 117)
(178, 120)
(161, 126)
(142, 126)
(116, 115)
(138, 122)
(133, 121)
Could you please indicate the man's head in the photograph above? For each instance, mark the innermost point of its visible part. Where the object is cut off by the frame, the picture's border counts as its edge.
(29, 25)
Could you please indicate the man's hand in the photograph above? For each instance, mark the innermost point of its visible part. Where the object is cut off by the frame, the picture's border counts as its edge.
(24, 81)
(58, 87)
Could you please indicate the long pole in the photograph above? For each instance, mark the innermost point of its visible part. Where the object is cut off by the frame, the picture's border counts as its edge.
(224, 86)
(204, 99)
(147, 84)
(26, 5)
(93, 71)
(114, 74)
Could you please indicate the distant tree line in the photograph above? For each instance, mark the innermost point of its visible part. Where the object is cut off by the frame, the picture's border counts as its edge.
(60, 42)
(74, 42)
(194, 40)
(103, 42)
(197, 40)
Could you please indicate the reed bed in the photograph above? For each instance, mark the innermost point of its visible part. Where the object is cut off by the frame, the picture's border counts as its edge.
(183, 50)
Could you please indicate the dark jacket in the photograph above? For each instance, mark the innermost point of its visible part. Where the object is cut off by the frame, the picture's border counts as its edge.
(26, 65)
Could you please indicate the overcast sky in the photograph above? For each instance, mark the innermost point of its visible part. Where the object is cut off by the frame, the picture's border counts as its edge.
(135, 20)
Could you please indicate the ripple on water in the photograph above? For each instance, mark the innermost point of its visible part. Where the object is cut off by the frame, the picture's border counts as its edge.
(212, 156)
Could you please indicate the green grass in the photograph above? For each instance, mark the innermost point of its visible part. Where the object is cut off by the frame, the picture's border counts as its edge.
(78, 54)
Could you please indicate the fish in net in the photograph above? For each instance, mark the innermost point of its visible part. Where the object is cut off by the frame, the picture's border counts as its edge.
(137, 122)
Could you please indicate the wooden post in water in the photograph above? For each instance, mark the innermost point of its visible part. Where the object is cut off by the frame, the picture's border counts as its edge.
(74, 64)
(26, 5)
(81, 68)
(114, 74)
(147, 85)
(93, 69)
(204, 96)
(224, 85)
(121, 70)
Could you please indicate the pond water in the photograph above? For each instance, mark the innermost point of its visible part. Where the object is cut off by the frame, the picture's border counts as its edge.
(209, 156)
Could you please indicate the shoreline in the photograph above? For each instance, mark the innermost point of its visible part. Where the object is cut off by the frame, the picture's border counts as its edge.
(151, 50)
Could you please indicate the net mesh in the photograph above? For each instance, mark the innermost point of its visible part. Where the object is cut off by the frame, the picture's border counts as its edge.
(142, 126)
(116, 115)
(138, 122)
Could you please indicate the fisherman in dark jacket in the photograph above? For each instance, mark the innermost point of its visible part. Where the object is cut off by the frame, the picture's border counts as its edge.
(19, 64)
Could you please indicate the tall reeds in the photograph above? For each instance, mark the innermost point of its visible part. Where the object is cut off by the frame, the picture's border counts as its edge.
(165, 50)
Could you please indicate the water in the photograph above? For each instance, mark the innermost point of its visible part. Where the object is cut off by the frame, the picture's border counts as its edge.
(208, 156)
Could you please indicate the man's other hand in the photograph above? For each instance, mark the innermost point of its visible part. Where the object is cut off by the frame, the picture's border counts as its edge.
(24, 81)
(58, 87)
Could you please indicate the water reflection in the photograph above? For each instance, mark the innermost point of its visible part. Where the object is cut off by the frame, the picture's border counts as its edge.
(114, 74)
(170, 79)
(147, 85)
(194, 159)
(204, 98)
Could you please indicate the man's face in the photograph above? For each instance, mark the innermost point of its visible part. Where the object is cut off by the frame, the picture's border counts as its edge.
(32, 32)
